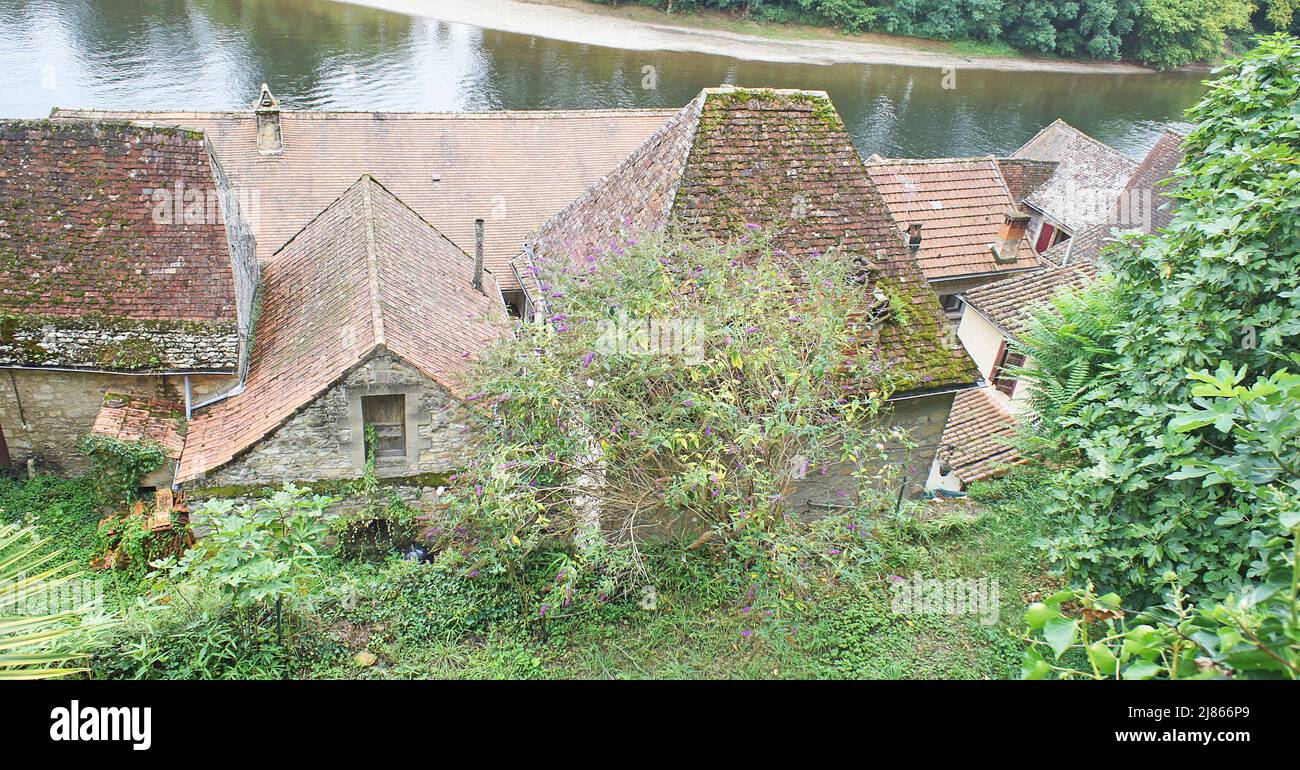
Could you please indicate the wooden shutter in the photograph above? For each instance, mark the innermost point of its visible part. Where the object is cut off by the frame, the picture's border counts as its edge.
(387, 416)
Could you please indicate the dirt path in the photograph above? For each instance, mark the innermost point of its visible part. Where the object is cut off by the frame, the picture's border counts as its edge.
(578, 22)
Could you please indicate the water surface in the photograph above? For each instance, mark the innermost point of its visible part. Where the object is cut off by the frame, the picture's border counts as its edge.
(315, 54)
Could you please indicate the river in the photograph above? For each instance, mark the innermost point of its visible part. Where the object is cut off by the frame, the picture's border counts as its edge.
(316, 54)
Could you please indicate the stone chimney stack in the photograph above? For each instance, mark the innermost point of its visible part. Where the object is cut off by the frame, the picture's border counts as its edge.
(269, 139)
(1010, 234)
(478, 254)
(914, 236)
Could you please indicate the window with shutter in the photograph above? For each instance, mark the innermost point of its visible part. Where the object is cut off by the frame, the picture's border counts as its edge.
(1002, 378)
(387, 416)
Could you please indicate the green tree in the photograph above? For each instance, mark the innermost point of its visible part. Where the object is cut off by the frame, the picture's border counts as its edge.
(264, 557)
(1254, 632)
(1222, 283)
(1171, 33)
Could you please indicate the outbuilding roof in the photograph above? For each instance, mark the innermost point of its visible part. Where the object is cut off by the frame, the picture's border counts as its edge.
(976, 437)
(113, 250)
(1009, 303)
(367, 274)
(960, 204)
(781, 160)
(512, 169)
(1088, 179)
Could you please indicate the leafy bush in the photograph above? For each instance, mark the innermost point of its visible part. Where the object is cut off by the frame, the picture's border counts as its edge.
(1256, 630)
(194, 632)
(45, 643)
(1222, 283)
(263, 557)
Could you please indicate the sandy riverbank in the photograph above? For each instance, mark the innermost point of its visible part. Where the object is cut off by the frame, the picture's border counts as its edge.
(577, 22)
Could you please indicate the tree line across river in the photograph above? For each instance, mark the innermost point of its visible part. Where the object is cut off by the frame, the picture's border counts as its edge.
(1159, 33)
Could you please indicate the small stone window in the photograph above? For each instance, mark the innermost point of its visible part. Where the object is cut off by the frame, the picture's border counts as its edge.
(387, 416)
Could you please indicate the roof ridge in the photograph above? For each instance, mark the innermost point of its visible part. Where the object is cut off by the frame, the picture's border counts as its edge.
(1090, 138)
(1039, 133)
(917, 161)
(81, 113)
(372, 260)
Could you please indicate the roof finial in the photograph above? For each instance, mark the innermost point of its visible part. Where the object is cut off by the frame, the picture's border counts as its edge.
(266, 100)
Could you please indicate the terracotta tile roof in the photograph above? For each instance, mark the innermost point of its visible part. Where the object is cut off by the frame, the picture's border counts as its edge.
(1153, 175)
(366, 274)
(975, 437)
(87, 250)
(781, 160)
(1089, 176)
(637, 195)
(1144, 205)
(513, 169)
(1008, 303)
(138, 419)
(960, 204)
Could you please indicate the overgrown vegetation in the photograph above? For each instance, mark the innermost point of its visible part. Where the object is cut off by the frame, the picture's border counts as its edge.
(1255, 631)
(607, 433)
(118, 466)
(1179, 493)
(1220, 287)
(44, 617)
(1161, 33)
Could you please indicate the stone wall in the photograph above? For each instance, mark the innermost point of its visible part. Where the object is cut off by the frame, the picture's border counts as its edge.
(239, 208)
(44, 413)
(923, 417)
(95, 341)
(326, 439)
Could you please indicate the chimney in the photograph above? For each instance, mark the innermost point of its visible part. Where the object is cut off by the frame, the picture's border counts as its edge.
(1010, 235)
(914, 236)
(478, 254)
(267, 109)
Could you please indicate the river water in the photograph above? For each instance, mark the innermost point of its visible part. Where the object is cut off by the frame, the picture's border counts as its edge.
(316, 54)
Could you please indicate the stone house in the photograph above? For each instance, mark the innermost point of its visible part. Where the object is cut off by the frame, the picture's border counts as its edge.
(368, 320)
(783, 161)
(1084, 190)
(127, 277)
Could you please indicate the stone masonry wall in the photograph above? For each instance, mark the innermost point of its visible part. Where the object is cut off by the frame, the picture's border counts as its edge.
(44, 413)
(326, 439)
(924, 418)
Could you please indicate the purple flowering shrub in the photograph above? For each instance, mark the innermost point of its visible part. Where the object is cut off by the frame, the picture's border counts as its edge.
(670, 391)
